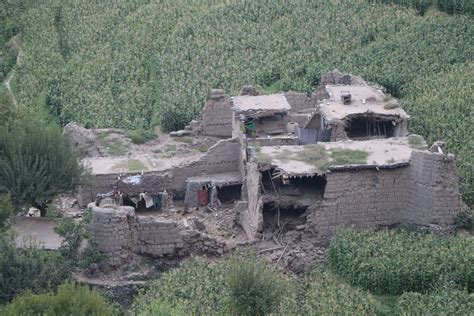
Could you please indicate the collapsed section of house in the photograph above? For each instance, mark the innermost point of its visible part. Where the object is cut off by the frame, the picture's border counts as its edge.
(340, 157)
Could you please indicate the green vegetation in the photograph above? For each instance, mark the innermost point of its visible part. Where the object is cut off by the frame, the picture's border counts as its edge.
(28, 268)
(36, 162)
(114, 146)
(6, 210)
(416, 141)
(247, 285)
(140, 136)
(186, 140)
(325, 295)
(132, 165)
(70, 299)
(441, 109)
(254, 288)
(447, 300)
(390, 262)
(202, 149)
(448, 6)
(465, 220)
(348, 157)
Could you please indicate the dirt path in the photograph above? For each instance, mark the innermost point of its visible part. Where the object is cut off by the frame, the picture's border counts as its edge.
(12, 72)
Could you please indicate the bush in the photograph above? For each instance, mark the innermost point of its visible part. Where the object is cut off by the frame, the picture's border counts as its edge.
(69, 300)
(325, 295)
(254, 288)
(240, 286)
(195, 288)
(28, 268)
(36, 162)
(140, 136)
(390, 262)
(465, 219)
(443, 301)
(6, 210)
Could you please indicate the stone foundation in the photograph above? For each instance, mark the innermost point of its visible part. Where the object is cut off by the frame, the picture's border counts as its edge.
(120, 234)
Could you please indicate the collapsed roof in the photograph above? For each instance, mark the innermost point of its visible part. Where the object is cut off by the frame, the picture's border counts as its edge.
(363, 99)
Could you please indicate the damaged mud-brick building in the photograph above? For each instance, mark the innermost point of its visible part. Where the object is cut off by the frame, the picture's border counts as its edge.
(339, 157)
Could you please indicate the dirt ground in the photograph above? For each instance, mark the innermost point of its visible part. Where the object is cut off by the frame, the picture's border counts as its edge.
(36, 231)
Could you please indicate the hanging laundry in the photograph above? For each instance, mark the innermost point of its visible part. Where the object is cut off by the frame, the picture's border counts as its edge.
(133, 180)
(157, 201)
(147, 198)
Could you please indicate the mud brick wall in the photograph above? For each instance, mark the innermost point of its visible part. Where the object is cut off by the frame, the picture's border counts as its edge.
(252, 218)
(432, 189)
(300, 101)
(359, 199)
(222, 157)
(217, 116)
(157, 237)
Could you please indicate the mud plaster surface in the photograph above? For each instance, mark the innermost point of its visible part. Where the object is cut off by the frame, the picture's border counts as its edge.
(334, 108)
(380, 152)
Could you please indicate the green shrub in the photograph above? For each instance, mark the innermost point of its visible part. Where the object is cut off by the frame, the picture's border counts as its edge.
(29, 268)
(326, 295)
(36, 162)
(196, 287)
(6, 210)
(390, 262)
(465, 219)
(255, 289)
(69, 300)
(240, 286)
(443, 301)
(140, 136)
(72, 233)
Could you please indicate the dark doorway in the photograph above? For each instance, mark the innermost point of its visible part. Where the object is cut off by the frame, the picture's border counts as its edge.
(230, 193)
(363, 127)
(285, 218)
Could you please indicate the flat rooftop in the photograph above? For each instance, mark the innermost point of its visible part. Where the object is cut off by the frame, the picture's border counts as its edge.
(364, 99)
(136, 164)
(273, 102)
(304, 160)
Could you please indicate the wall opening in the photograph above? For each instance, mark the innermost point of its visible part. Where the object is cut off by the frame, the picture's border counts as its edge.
(284, 218)
(363, 127)
(230, 193)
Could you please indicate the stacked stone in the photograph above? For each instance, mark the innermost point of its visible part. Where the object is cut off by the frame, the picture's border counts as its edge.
(217, 115)
(300, 101)
(110, 228)
(158, 237)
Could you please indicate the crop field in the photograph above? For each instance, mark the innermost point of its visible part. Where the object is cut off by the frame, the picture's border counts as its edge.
(134, 64)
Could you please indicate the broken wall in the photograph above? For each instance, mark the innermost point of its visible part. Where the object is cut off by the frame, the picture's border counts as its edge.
(217, 115)
(223, 157)
(121, 234)
(424, 193)
(432, 189)
(300, 101)
(252, 218)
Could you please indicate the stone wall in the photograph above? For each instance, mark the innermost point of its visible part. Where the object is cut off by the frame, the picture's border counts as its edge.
(432, 189)
(121, 234)
(220, 158)
(300, 101)
(217, 115)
